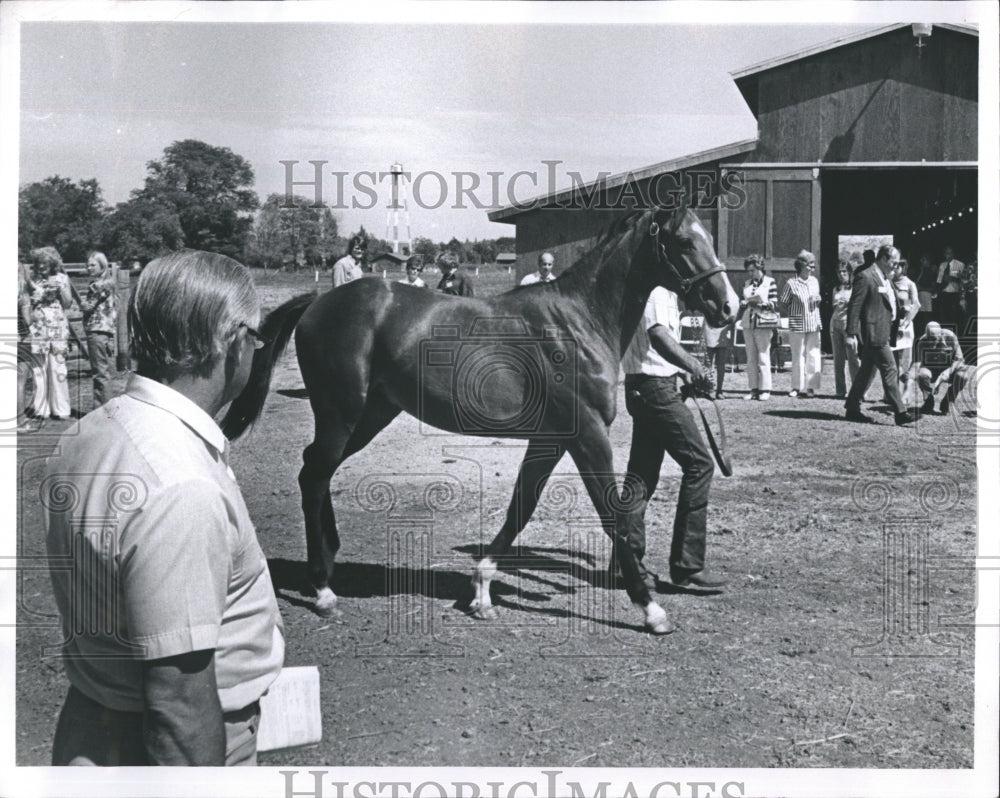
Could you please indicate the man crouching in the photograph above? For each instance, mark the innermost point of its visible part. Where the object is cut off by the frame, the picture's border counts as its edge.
(171, 629)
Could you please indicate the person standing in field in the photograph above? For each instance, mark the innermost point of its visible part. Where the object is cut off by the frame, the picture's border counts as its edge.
(100, 319)
(801, 299)
(759, 293)
(452, 281)
(171, 632)
(546, 261)
(349, 267)
(50, 296)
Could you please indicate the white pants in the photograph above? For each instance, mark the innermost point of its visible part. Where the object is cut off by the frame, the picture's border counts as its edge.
(48, 370)
(758, 343)
(807, 361)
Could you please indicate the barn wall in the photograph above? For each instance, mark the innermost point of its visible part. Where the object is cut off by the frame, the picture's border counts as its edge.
(876, 100)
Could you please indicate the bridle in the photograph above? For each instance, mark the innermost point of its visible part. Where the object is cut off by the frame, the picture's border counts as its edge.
(685, 283)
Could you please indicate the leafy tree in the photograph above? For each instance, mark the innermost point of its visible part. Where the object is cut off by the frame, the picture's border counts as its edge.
(57, 212)
(292, 236)
(211, 191)
(425, 247)
(141, 229)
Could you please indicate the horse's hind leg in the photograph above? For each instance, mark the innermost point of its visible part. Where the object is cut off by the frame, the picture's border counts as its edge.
(539, 460)
(592, 455)
(333, 444)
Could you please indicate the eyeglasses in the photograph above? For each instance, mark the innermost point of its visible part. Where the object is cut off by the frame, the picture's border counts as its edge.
(259, 341)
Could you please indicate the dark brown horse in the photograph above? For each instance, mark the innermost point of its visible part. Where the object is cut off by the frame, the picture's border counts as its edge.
(539, 362)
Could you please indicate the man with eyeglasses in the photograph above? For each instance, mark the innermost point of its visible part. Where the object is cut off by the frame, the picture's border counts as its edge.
(870, 315)
(171, 632)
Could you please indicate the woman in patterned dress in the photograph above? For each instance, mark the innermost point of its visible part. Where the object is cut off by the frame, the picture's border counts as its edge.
(49, 294)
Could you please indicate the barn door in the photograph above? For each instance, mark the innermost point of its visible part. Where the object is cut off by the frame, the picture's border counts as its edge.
(776, 214)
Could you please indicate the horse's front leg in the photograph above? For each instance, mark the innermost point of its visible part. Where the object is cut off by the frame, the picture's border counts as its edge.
(539, 460)
(592, 454)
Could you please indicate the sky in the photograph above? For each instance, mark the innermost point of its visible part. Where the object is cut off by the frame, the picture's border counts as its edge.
(100, 99)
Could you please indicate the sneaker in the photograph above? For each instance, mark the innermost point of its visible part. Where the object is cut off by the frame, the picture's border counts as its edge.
(810, 394)
(764, 396)
(702, 581)
(720, 395)
(749, 396)
(793, 393)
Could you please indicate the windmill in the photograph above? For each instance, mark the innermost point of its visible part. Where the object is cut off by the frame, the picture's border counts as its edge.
(398, 203)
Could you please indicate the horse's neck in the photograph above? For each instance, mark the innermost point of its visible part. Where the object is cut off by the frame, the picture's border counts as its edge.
(614, 289)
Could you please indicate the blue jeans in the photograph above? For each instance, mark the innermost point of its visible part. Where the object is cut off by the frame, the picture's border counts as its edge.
(662, 424)
(101, 347)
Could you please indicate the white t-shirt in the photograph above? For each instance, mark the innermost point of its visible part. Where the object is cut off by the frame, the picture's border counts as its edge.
(640, 357)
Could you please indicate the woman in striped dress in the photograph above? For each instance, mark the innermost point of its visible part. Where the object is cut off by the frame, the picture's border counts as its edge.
(801, 299)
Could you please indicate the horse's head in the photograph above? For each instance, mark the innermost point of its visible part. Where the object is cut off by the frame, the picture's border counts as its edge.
(686, 264)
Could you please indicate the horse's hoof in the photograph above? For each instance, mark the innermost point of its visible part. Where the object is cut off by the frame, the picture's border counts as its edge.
(657, 622)
(326, 603)
(663, 627)
(485, 613)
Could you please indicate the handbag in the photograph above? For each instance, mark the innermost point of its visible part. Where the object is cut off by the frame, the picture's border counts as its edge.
(765, 319)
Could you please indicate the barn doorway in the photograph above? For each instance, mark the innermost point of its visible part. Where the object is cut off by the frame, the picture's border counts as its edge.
(923, 208)
(900, 202)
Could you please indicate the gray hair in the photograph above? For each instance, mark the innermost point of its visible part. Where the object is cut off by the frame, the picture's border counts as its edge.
(185, 310)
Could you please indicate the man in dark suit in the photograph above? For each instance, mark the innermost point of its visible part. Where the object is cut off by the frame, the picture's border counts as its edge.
(870, 331)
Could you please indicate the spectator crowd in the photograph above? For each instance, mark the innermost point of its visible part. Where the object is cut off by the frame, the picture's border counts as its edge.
(924, 310)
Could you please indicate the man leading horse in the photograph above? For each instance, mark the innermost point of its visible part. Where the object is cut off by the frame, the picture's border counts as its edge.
(363, 352)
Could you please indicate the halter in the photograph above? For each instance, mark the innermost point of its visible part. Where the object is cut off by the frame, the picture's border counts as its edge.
(686, 283)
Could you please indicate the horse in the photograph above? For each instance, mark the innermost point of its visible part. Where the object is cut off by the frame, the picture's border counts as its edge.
(539, 362)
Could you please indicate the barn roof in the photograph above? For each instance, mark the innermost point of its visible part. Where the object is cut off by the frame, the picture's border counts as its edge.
(390, 256)
(506, 257)
(841, 41)
(673, 165)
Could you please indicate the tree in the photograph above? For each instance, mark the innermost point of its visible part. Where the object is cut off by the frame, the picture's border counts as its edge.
(210, 189)
(425, 247)
(56, 212)
(292, 233)
(141, 229)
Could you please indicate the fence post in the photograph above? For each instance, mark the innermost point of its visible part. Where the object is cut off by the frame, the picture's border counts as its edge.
(123, 289)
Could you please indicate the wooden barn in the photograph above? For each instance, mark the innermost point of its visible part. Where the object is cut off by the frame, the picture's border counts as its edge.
(870, 135)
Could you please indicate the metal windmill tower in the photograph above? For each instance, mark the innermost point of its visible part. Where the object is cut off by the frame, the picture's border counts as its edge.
(398, 203)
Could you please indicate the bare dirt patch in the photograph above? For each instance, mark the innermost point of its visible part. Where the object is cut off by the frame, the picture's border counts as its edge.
(843, 640)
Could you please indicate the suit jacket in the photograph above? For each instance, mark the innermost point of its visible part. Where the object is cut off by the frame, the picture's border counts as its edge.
(869, 312)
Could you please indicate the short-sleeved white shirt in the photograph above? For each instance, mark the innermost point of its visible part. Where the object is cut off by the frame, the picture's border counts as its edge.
(640, 357)
(152, 551)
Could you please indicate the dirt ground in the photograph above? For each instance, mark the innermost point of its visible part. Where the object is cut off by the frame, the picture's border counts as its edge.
(844, 638)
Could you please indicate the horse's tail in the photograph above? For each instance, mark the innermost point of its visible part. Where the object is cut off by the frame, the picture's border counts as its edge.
(277, 328)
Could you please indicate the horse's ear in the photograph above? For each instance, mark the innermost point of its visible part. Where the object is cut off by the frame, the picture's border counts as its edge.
(677, 217)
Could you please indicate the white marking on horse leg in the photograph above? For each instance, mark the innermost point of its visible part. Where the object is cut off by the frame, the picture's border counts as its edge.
(482, 606)
(326, 602)
(656, 619)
